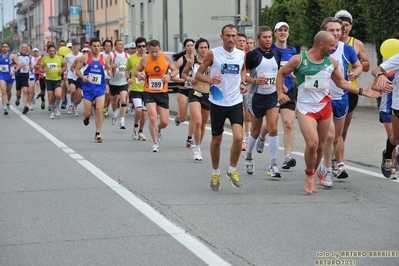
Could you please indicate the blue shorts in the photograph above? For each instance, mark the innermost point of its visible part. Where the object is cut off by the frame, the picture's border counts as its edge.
(340, 107)
(91, 95)
(385, 117)
(8, 79)
(53, 84)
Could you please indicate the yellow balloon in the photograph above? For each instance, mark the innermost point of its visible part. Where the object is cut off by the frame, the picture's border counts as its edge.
(389, 48)
(64, 51)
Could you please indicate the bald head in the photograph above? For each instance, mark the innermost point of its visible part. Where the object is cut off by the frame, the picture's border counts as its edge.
(322, 36)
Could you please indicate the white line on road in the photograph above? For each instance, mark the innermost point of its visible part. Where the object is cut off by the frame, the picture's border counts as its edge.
(178, 233)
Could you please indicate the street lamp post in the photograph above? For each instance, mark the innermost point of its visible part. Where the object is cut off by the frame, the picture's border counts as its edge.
(2, 21)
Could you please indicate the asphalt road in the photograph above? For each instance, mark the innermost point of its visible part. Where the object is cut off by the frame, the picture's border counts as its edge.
(66, 200)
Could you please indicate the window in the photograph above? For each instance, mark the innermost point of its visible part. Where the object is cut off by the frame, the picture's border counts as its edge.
(110, 2)
(97, 4)
(102, 4)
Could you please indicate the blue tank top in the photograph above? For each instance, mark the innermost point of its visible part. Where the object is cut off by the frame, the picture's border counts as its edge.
(95, 71)
(5, 65)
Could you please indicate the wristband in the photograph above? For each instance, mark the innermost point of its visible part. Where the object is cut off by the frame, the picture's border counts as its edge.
(360, 91)
(379, 74)
(243, 83)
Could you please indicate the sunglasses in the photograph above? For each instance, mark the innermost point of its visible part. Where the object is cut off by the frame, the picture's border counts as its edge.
(140, 46)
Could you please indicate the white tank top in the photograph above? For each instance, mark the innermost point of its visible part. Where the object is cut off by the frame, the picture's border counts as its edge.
(228, 65)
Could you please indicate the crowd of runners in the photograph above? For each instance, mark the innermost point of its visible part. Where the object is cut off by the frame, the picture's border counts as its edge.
(235, 81)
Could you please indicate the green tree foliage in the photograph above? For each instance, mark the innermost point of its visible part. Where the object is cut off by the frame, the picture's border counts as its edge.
(373, 21)
(381, 21)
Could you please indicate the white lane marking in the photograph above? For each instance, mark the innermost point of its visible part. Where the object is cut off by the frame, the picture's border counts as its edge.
(178, 233)
(353, 168)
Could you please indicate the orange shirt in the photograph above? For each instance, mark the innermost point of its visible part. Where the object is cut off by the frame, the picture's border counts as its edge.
(154, 70)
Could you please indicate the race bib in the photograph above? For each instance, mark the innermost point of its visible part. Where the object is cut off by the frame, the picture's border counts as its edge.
(95, 78)
(270, 80)
(120, 70)
(52, 66)
(24, 70)
(155, 84)
(313, 83)
(4, 68)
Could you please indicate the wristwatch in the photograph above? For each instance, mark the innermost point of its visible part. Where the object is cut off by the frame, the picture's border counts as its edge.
(243, 83)
(379, 74)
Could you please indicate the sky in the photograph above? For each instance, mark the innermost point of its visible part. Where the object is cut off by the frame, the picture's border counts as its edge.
(8, 11)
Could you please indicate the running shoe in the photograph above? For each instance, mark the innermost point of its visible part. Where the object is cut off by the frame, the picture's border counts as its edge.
(177, 122)
(5, 111)
(341, 172)
(288, 162)
(38, 96)
(393, 174)
(135, 134)
(249, 166)
(197, 155)
(86, 121)
(234, 177)
(30, 107)
(215, 182)
(17, 101)
(334, 166)
(43, 105)
(33, 100)
(98, 138)
(190, 143)
(273, 171)
(8, 106)
(386, 165)
(75, 110)
(244, 145)
(142, 137)
(324, 178)
(57, 112)
(160, 136)
(397, 162)
(106, 114)
(25, 110)
(63, 105)
(321, 175)
(122, 125)
(113, 119)
(52, 115)
(260, 145)
(155, 147)
(70, 108)
(327, 182)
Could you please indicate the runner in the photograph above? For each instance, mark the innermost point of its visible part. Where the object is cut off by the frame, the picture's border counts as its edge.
(263, 63)
(6, 81)
(338, 166)
(227, 76)
(137, 90)
(184, 87)
(313, 69)
(118, 83)
(22, 76)
(156, 65)
(73, 84)
(287, 111)
(198, 96)
(54, 66)
(93, 84)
